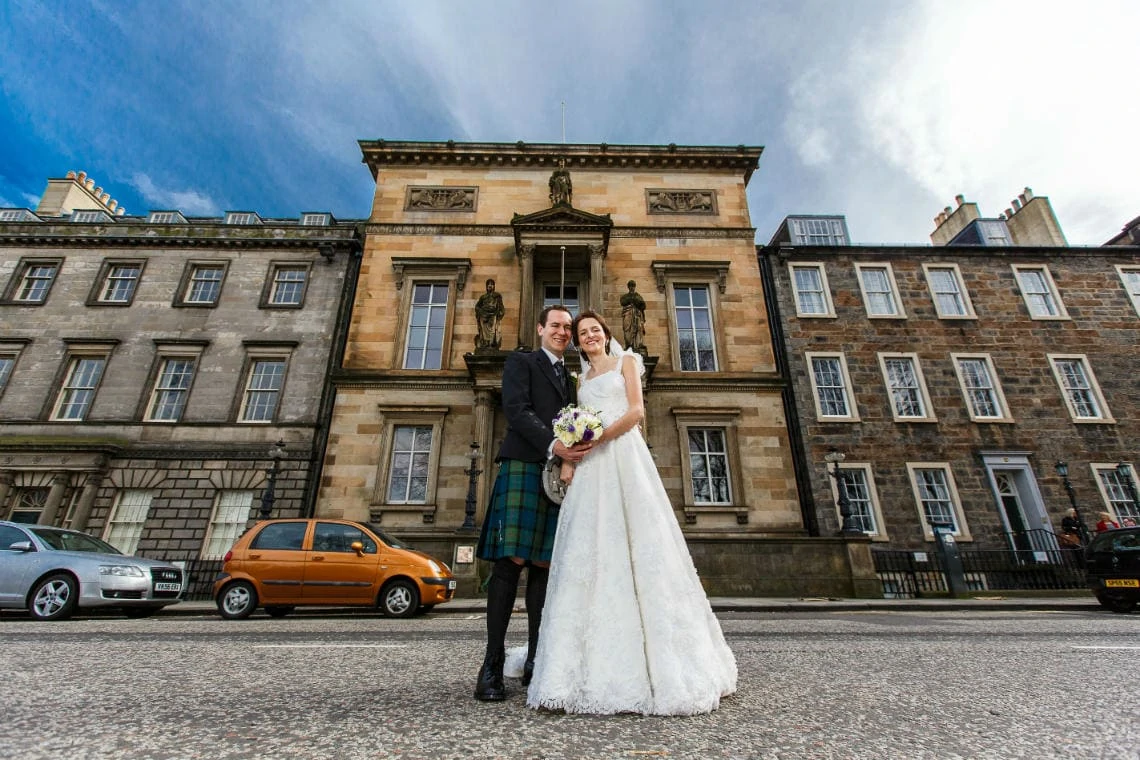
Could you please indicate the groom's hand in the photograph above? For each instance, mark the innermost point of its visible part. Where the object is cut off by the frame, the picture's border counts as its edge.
(573, 453)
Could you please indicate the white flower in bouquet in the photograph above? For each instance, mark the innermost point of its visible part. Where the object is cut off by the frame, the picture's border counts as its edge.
(577, 424)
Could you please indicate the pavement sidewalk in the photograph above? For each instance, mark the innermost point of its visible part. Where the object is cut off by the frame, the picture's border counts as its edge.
(1079, 601)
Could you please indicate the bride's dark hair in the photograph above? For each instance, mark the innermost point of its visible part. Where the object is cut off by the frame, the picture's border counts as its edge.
(590, 315)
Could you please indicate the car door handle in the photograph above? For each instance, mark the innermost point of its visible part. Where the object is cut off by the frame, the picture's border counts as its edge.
(318, 558)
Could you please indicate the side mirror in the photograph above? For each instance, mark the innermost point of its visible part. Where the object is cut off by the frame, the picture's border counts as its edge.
(21, 546)
(358, 547)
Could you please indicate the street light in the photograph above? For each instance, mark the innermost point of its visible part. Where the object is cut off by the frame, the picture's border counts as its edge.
(472, 475)
(833, 457)
(276, 453)
(1062, 468)
(1124, 471)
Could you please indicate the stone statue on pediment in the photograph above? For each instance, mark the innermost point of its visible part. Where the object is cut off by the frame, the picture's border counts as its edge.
(561, 188)
(489, 313)
(633, 319)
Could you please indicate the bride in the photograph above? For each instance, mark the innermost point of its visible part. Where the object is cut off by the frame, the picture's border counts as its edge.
(627, 626)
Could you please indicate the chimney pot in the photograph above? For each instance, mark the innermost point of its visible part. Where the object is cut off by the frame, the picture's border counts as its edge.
(70, 174)
(948, 211)
(1016, 204)
(89, 183)
(960, 198)
(1023, 198)
(82, 177)
(1028, 193)
(1008, 213)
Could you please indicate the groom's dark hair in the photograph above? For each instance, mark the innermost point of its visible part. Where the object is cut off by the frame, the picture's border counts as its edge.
(588, 314)
(542, 315)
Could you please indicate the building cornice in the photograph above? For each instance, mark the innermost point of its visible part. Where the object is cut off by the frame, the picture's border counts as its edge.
(120, 235)
(739, 159)
(506, 231)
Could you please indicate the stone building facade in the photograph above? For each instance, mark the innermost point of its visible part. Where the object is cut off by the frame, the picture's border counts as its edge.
(416, 422)
(953, 379)
(148, 365)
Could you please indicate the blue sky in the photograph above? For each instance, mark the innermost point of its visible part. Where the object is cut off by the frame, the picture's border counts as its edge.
(881, 110)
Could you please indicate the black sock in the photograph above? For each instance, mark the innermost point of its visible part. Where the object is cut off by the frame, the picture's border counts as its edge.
(536, 578)
(501, 592)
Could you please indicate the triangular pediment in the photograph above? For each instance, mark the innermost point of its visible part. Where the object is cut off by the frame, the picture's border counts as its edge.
(562, 215)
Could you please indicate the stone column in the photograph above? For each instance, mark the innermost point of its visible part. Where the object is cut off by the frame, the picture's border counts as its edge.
(86, 500)
(59, 483)
(526, 295)
(484, 435)
(597, 275)
(6, 481)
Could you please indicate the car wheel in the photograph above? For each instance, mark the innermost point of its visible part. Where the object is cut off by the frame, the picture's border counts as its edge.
(54, 598)
(137, 613)
(425, 608)
(237, 600)
(400, 599)
(278, 611)
(1122, 606)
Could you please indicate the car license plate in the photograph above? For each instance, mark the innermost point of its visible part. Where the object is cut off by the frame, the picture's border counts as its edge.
(451, 585)
(1122, 583)
(168, 587)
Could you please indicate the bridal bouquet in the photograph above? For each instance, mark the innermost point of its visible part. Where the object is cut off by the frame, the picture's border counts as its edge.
(577, 424)
(574, 424)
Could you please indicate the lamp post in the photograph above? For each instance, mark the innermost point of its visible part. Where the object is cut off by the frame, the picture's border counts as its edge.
(833, 457)
(276, 454)
(472, 476)
(1062, 468)
(1125, 474)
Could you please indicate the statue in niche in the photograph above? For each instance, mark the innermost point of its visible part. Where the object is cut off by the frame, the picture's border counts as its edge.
(561, 188)
(633, 319)
(489, 313)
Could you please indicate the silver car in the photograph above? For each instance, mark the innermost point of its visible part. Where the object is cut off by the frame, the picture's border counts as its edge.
(53, 571)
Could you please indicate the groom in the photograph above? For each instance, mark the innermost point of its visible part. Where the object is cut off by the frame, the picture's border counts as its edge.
(519, 527)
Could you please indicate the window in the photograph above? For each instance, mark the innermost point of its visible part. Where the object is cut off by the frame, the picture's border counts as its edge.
(821, 231)
(33, 280)
(409, 459)
(90, 217)
(951, 301)
(312, 219)
(242, 217)
(165, 217)
(1080, 389)
(171, 388)
(202, 283)
(427, 324)
(909, 399)
(125, 525)
(18, 215)
(338, 537)
(561, 294)
(7, 362)
(936, 496)
(693, 313)
(283, 536)
(880, 292)
(408, 474)
(708, 466)
(831, 385)
(231, 513)
(78, 389)
(984, 398)
(1116, 493)
(286, 286)
(28, 504)
(117, 282)
(262, 389)
(1130, 278)
(1040, 294)
(809, 284)
(862, 498)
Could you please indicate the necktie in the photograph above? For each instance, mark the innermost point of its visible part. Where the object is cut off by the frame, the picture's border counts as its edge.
(560, 370)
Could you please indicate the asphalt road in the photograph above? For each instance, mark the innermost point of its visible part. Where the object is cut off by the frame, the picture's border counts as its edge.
(873, 684)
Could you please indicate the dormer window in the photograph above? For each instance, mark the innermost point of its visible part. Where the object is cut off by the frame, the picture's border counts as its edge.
(165, 217)
(18, 215)
(242, 217)
(315, 219)
(90, 217)
(827, 230)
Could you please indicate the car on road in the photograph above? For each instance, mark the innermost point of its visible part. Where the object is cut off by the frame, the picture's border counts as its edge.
(286, 563)
(51, 572)
(1112, 566)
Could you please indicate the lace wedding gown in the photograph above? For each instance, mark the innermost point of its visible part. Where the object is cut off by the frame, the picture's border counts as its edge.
(627, 626)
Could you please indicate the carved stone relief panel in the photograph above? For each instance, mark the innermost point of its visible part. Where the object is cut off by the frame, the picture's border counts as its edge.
(681, 201)
(423, 198)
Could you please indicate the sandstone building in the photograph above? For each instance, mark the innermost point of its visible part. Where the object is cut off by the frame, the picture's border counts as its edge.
(149, 365)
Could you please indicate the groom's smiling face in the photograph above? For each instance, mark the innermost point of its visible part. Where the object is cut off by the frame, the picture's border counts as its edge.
(555, 334)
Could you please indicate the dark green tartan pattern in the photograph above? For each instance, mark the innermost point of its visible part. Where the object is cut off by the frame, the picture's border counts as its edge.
(520, 520)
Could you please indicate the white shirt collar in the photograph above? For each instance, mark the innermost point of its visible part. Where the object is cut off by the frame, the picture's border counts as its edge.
(553, 359)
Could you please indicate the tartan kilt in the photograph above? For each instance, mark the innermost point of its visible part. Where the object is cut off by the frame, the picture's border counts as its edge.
(520, 520)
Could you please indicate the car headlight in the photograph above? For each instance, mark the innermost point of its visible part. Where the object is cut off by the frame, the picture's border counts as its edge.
(435, 567)
(122, 570)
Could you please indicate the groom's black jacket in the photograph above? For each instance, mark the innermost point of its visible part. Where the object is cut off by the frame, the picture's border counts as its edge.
(532, 398)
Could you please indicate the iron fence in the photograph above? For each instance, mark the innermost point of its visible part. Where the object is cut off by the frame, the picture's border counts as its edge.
(200, 574)
(1035, 563)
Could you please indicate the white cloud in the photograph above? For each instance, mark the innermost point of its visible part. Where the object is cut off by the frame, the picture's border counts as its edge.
(985, 98)
(189, 202)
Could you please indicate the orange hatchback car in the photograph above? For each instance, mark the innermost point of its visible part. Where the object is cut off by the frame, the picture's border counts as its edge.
(283, 564)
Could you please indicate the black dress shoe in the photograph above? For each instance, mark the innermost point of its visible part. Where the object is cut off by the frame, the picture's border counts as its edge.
(528, 671)
(489, 686)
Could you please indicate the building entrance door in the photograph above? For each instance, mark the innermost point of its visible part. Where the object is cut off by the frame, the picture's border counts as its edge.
(1019, 503)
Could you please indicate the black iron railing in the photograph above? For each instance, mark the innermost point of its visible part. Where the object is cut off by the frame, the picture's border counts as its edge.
(200, 575)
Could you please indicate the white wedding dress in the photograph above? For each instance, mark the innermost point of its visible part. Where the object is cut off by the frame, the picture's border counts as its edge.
(627, 626)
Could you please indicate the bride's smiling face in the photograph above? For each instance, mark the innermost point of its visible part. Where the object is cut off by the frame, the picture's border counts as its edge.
(592, 337)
